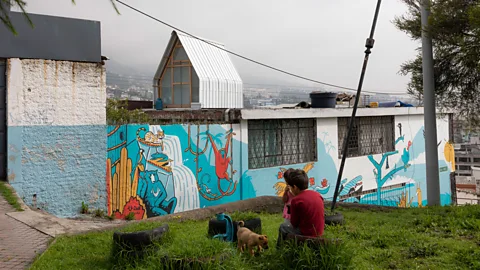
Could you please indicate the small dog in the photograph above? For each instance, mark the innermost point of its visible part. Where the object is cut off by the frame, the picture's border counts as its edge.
(245, 237)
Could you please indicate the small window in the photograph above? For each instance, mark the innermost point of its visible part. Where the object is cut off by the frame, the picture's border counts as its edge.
(180, 54)
(463, 159)
(281, 142)
(464, 168)
(476, 160)
(370, 135)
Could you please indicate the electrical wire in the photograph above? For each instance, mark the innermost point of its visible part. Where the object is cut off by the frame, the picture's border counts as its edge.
(244, 57)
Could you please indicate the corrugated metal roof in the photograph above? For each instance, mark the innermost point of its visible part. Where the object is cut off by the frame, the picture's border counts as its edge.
(220, 83)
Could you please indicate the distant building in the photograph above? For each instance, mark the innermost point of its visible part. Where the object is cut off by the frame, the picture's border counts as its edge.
(466, 156)
(193, 72)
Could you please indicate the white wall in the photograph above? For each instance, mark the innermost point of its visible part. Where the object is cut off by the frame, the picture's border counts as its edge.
(44, 92)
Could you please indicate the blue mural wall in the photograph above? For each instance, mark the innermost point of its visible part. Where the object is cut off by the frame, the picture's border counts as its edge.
(159, 170)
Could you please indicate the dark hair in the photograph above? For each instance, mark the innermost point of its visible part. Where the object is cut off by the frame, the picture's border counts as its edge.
(297, 178)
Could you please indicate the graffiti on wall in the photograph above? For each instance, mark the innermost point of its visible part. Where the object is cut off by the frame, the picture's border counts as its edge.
(159, 170)
(153, 172)
(322, 188)
(223, 162)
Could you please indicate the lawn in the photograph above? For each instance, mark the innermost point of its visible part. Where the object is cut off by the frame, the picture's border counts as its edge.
(9, 196)
(435, 238)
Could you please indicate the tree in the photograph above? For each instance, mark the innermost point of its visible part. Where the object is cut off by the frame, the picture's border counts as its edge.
(5, 18)
(118, 114)
(454, 26)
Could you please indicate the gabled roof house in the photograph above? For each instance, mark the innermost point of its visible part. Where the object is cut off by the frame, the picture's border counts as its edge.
(198, 73)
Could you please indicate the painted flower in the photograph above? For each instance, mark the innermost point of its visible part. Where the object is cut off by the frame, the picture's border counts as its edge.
(324, 182)
(280, 175)
(312, 181)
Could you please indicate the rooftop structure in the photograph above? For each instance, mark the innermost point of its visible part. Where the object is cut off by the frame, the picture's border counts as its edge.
(197, 74)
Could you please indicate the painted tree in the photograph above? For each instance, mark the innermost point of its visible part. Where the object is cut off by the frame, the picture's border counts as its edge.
(455, 30)
(381, 179)
(4, 12)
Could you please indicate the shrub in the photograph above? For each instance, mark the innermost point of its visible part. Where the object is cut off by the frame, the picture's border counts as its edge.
(99, 213)
(84, 209)
(117, 113)
(130, 216)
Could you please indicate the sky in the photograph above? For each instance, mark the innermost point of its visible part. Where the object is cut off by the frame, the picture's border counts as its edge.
(319, 39)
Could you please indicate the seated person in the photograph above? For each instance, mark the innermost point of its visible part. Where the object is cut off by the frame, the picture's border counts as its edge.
(306, 208)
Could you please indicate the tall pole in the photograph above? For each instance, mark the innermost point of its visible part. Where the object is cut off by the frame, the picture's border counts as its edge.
(369, 45)
(430, 121)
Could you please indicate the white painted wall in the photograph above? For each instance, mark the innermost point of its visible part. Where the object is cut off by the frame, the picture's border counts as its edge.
(412, 128)
(61, 93)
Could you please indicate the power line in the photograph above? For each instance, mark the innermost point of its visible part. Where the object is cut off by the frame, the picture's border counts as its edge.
(244, 57)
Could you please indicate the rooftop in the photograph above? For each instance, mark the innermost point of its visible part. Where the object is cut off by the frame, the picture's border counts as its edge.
(235, 115)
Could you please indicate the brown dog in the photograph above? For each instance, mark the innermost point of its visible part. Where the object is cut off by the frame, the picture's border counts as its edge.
(245, 237)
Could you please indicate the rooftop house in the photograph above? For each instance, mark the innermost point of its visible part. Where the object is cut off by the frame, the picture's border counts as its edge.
(197, 73)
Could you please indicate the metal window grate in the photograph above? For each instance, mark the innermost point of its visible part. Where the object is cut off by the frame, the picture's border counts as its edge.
(370, 135)
(281, 142)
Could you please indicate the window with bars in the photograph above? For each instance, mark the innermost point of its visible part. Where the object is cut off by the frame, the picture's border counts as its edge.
(370, 135)
(281, 142)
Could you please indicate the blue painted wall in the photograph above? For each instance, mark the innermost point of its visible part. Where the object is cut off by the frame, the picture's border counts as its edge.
(154, 170)
(62, 166)
(174, 168)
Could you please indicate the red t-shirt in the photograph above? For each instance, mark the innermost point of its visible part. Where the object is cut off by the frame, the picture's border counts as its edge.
(307, 213)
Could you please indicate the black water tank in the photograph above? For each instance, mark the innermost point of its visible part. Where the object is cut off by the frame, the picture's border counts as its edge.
(323, 100)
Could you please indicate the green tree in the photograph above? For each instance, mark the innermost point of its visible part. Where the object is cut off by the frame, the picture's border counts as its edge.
(455, 30)
(5, 18)
(117, 113)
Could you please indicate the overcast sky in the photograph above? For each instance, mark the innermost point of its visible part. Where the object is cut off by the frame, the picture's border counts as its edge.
(319, 39)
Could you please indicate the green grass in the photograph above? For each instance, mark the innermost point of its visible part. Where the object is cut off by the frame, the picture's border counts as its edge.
(9, 196)
(436, 238)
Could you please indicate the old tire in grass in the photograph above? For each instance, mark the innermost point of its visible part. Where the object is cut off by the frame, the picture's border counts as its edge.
(219, 227)
(134, 243)
(334, 219)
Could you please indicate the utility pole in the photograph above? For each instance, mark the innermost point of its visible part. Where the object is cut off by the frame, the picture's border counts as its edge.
(369, 45)
(433, 183)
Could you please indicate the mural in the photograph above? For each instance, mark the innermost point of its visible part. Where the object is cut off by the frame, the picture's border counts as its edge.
(154, 170)
(323, 188)
(159, 170)
(222, 162)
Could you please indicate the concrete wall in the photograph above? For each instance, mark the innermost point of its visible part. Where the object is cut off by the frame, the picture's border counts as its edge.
(56, 134)
(156, 170)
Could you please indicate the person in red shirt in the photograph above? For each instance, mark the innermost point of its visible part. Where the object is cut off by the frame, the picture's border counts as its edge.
(307, 216)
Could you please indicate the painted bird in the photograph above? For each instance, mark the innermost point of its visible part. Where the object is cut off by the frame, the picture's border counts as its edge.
(406, 155)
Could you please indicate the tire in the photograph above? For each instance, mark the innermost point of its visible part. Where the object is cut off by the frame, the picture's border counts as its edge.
(137, 241)
(218, 227)
(335, 219)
